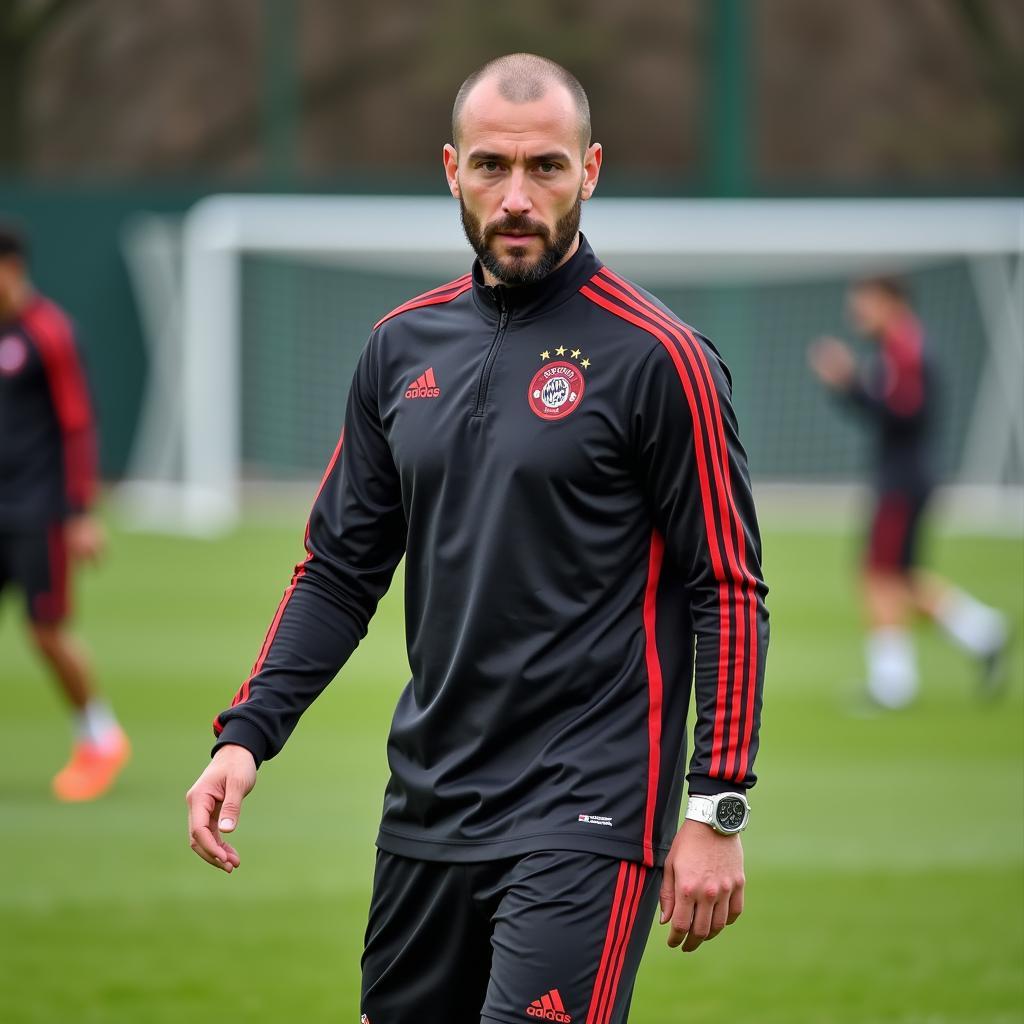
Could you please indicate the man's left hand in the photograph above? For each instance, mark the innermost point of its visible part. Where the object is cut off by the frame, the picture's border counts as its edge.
(702, 889)
(86, 538)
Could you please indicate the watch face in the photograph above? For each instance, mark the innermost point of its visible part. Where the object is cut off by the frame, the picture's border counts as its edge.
(731, 812)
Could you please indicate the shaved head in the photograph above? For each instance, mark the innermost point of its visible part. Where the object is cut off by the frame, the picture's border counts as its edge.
(525, 78)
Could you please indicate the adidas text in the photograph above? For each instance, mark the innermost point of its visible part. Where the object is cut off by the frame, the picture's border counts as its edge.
(555, 1015)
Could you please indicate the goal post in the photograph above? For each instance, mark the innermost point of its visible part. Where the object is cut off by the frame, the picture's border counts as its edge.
(277, 296)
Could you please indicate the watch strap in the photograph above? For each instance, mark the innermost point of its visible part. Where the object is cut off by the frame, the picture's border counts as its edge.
(701, 808)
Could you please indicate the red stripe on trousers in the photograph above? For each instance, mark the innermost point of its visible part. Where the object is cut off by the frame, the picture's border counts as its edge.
(52, 606)
(609, 941)
(744, 669)
(654, 692)
(631, 906)
(300, 570)
(707, 505)
(889, 531)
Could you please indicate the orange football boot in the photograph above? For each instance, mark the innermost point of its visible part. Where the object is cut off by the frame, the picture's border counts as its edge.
(92, 769)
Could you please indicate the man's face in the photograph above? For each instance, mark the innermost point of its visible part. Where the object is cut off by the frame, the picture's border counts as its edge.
(869, 310)
(520, 178)
(12, 278)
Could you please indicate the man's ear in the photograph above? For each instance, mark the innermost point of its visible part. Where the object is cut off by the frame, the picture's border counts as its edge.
(450, 158)
(591, 169)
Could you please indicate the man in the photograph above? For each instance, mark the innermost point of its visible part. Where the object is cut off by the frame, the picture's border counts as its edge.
(555, 454)
(895, 391)
(47, 486)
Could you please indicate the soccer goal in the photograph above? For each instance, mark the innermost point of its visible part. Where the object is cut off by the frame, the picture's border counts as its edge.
(256, 308)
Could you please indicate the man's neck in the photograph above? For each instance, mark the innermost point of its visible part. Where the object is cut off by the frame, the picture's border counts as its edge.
(491, 281)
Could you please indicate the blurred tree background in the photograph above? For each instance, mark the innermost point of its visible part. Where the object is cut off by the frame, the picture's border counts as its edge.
(822, 95)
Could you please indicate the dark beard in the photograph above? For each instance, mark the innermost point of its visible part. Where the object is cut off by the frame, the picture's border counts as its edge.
(519, 270)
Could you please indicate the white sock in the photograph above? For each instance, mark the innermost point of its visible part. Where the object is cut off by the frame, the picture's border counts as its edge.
(96, 724)
(892, 667)
(976, 627)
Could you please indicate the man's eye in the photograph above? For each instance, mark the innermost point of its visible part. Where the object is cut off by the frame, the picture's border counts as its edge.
(548, 168)
(489, 165)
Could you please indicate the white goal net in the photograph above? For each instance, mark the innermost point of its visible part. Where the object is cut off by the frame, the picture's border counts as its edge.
(256, 308)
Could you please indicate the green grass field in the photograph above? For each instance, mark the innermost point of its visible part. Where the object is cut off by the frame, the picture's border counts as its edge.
(885, 857)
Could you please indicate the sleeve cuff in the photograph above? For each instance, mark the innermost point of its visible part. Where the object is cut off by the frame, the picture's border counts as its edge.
(243, 734)
(704, 785)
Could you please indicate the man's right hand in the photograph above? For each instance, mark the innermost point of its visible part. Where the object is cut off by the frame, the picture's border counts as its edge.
(215, 803)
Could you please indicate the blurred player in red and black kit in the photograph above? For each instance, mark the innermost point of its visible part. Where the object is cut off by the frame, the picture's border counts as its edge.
(47, 484)
(896, 390)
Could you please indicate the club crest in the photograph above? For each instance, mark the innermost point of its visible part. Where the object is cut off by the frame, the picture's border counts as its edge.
(556, 390)
(13, 355)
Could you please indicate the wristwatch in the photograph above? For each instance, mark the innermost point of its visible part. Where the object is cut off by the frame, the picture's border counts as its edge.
(726, 813)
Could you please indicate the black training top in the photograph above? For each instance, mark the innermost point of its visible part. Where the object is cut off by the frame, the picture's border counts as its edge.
(896, 389)
(559, 462)
(47, 434)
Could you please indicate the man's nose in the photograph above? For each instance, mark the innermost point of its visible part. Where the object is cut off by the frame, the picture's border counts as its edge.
(516, 201)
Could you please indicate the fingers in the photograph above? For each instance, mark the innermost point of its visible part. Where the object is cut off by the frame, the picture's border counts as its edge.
(698, 916)
(736, 903)
(682, 916)
(231, 807)
(728, 909)
(701, 927)
(719, 917)
(667, 895)
(203, 839)
(233, 859)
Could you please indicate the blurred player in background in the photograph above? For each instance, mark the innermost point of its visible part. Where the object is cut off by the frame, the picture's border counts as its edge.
(895, 390)
(47, 485)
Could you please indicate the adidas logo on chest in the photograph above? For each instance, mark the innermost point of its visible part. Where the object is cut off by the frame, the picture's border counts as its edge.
(424, 386)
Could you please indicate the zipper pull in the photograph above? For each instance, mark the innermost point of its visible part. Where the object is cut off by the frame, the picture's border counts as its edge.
(501, 300)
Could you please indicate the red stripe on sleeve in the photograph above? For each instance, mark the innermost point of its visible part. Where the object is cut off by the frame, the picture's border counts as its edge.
(744, 667)
(902, 353)
(745, 664)
(707, 503)
(654, 693)
(443, 293)
(300, 570)
(52, 333)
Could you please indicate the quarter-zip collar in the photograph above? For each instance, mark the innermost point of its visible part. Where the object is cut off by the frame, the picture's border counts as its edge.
(528, 300)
